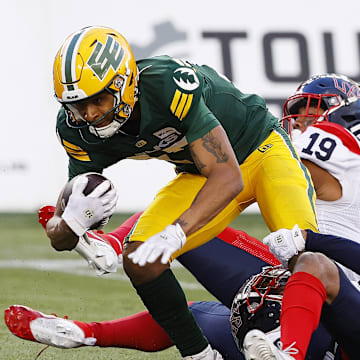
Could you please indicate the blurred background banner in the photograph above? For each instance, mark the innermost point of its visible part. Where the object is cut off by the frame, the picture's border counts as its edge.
(264, 47)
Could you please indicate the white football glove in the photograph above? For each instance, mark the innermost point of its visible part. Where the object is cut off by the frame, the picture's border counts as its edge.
(285, 243)
(99, 254)
(163, 244)
(83, 211)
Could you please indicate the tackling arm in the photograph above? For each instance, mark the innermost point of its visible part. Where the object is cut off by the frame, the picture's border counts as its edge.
(286, 243)
(344, 251)
(215, 159)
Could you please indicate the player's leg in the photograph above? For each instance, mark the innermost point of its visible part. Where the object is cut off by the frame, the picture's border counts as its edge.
(141, 332)
(340, 317)
(214, 320)
(170, 202)
(164, 298)
(155, 283)
(138, 331)
(222, 267)
(33, 325)
(282, 184)
(315, 280)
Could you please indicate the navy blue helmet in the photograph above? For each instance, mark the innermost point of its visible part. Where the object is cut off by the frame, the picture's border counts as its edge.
(257, 305)
(332, 97)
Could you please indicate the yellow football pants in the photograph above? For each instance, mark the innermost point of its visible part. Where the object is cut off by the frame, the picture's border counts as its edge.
(273, 176)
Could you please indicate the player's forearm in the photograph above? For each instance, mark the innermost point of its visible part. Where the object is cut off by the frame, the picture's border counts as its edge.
(214, 196)
(61, 236)
(344, 251)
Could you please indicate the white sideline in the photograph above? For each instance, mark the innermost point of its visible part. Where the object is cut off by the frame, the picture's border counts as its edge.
(78, 267)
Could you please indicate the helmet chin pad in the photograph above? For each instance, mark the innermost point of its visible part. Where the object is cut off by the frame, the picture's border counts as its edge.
(111, 129)
(107, 131)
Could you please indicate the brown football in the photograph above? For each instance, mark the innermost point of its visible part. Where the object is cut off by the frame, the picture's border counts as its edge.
(94, 180)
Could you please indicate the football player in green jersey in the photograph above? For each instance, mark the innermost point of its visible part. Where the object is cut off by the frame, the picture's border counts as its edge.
(229, 152)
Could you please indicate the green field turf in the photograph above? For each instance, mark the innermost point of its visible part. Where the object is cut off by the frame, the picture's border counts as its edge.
(27, 279)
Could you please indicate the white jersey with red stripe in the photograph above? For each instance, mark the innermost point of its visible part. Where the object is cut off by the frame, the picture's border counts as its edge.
(336, 150)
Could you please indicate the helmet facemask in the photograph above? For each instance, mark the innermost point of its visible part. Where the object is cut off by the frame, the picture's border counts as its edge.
(319, 96)
(316, 108)
(257, 305)
(121, 111)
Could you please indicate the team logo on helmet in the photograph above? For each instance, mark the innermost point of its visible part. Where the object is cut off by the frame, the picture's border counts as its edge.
(105, 56)
(186, 78)
(326, 97)
(347, 87)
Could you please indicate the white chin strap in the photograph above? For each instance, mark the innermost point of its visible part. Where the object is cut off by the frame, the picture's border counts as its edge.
(105, 131)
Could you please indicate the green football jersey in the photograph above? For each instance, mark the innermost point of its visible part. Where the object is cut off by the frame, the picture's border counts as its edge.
(179, 102)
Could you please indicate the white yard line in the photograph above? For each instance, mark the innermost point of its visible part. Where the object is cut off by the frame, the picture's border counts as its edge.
(77, 267)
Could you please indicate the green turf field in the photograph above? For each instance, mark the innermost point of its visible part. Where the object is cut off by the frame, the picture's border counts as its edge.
(35, 275)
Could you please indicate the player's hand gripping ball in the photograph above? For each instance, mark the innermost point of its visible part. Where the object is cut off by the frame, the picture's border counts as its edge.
(88, 201)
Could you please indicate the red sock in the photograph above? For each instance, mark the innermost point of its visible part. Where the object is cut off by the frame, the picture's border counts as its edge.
(139, 331)
(304, 297)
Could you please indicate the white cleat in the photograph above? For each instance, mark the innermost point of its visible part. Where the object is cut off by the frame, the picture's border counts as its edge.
(33, 325)
(257, 346)
(207, 354)
(98, 253)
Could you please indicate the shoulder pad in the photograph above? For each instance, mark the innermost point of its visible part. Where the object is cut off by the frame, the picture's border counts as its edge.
(346, 137)
(174, 83)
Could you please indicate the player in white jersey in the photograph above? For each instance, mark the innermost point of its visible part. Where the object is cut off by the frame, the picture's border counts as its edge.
(337, 152)
(330, 149)
(324, 116)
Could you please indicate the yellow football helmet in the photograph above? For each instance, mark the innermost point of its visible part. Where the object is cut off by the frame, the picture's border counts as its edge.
(92, 60)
